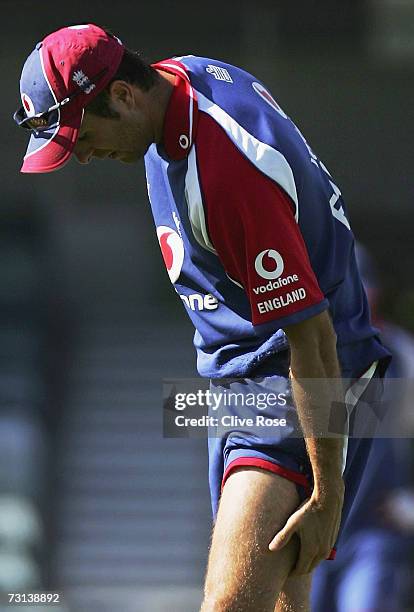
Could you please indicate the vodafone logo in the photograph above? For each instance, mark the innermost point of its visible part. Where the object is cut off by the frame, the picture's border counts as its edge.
(269, 264)
(267, 97)
(172, 249)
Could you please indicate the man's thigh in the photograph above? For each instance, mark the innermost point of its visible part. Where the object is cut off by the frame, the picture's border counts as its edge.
(243, 575)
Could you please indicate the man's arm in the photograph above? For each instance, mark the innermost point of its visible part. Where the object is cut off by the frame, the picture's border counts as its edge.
(316, 383)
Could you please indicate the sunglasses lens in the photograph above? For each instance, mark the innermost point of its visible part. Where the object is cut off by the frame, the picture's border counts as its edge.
(38, 123)
(42, 123)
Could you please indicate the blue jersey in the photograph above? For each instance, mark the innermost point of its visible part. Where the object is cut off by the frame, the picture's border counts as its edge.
(252, 227)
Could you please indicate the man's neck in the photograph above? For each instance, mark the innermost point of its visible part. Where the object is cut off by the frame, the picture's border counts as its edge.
(159, 100)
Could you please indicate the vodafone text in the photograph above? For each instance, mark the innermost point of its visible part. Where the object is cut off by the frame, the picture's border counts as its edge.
(271, 285)
(282, 301)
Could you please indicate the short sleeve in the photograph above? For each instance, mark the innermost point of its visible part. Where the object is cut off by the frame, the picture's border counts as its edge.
(252, 226)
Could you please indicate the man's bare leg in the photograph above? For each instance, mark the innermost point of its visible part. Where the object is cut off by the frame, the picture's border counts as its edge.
(242, 574)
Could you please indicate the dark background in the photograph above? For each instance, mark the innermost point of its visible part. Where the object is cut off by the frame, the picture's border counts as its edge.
(342, 70)
(89, 322)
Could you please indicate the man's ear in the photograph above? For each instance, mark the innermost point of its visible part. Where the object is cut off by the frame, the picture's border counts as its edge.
(121, 93)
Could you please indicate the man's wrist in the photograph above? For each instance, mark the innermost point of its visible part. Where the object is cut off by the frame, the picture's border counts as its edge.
(326, 490)
(326, 456)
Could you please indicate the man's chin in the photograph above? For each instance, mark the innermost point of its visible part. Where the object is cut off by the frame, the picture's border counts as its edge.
(129, 158)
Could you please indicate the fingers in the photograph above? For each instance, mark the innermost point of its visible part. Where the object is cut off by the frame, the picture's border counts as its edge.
(317, 531)
(312, 550)
(308, 561)
(280, 540)
(316, 538)
(284, 535)
(292, 525)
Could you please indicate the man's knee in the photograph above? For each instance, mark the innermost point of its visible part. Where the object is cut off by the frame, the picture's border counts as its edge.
(295, 594)
(250, 591)
(217, 603)
(240, 601)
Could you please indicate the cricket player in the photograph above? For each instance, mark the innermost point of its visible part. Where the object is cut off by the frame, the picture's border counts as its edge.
(256, 240)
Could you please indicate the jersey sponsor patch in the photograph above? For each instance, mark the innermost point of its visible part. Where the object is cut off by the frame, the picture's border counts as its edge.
(268, 98)
(276, 266)
(172, 249)
(276, 284)
(198, 301)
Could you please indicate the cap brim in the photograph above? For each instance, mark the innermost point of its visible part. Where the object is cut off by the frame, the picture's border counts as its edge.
(49, 151)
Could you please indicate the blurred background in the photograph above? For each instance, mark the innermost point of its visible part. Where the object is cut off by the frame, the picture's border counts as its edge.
(93, 500)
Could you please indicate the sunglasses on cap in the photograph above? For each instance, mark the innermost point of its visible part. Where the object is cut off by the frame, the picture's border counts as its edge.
(46, 120)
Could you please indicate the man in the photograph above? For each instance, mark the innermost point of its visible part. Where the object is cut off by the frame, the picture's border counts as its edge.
(256, 241)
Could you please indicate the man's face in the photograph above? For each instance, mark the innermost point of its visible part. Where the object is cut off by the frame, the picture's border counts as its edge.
(125, 139)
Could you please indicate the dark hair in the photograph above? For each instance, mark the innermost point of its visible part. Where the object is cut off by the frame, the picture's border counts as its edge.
(132, 69)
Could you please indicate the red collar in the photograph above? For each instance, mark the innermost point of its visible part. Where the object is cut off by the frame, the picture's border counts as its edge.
(180, 120)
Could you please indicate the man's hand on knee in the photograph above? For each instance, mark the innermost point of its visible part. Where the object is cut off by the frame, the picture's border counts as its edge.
(316, 522)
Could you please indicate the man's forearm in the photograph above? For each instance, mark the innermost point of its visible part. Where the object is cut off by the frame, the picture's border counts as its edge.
(314, 398)
(317, 386)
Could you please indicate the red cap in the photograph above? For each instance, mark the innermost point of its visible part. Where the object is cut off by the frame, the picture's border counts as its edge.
(76, 62)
